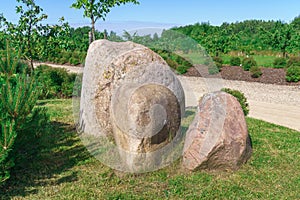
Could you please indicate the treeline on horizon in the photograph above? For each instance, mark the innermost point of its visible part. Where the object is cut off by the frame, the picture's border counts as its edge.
(62, 43)
(247, 36)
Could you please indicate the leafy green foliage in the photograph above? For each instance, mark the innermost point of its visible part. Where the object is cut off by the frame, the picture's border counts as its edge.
(28, 26)
(246, 37)
(181, 69)
(279, 63)
(240, 97)
(55, 82)
(248, 63)
(98, 9)
(173, 64)
(293, 74)
(175, 61)
(293, 61)
(235, 61)
(74, 61)
(255, 72)
(35, 40)
(218, 62)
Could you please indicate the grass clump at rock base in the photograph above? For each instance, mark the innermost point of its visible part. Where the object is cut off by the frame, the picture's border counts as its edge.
(55, 165)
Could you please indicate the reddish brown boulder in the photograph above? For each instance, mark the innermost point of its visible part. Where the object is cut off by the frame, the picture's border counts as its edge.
(218, 138)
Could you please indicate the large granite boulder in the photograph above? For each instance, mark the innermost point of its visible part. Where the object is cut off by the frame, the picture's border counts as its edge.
(108, 66)
(218, 138)
(131, 95)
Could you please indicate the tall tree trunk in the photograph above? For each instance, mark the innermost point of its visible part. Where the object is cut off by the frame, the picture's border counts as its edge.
(93, 29)
(105, 34)
(92, 20)
(284, 54)
(90, 37)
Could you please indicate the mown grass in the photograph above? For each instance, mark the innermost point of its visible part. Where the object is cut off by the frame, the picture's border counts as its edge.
(262, 60)
(55, 165)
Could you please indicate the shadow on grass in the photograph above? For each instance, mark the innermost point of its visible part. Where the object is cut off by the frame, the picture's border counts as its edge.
(44, 159)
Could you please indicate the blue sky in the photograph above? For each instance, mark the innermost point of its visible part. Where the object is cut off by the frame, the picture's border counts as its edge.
(168, 13)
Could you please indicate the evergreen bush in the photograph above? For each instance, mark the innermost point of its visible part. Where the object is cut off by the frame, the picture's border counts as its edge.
(55, 82)
(19, 92)
(279, 63)
(218, 62)
(172, 63)
(255, 72)
(293, 74)
(293, 61)
(181, 69)
(235, 61)
(240, 97)
(74, 61)
(248, 63)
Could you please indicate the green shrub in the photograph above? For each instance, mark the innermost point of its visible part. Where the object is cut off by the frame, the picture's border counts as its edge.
(82, 57)
(219, 66)
(66, 54)
(279, 63)
(173, 60)
(55, 82)
(235, 61)
(248, 63)
(255, 72)
(187, 64)
(293, 61)
(67, 86)
(50, 58)
(176, 58)
(213, 69)
(164, 55)
(181, 69)
(218, 60)
(63, 61)
(76, 55)
(293, 74)
(57, 60)
(172, 63)
(240, 97)
(2, 53)
(74, 61)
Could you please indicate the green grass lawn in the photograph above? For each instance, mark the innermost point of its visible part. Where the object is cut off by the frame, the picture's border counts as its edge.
(55, 165)
(197, 58)
(262, 61)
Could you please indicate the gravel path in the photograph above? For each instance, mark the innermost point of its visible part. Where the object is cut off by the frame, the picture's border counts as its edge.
(278, 104)
(71, 69)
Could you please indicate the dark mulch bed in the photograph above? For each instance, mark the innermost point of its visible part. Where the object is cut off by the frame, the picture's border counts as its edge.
(269, 76)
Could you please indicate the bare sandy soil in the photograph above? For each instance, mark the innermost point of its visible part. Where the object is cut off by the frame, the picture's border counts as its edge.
(71, 69)
(278, 104)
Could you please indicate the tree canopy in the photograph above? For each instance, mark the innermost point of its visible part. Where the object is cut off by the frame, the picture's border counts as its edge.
(98, 9)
